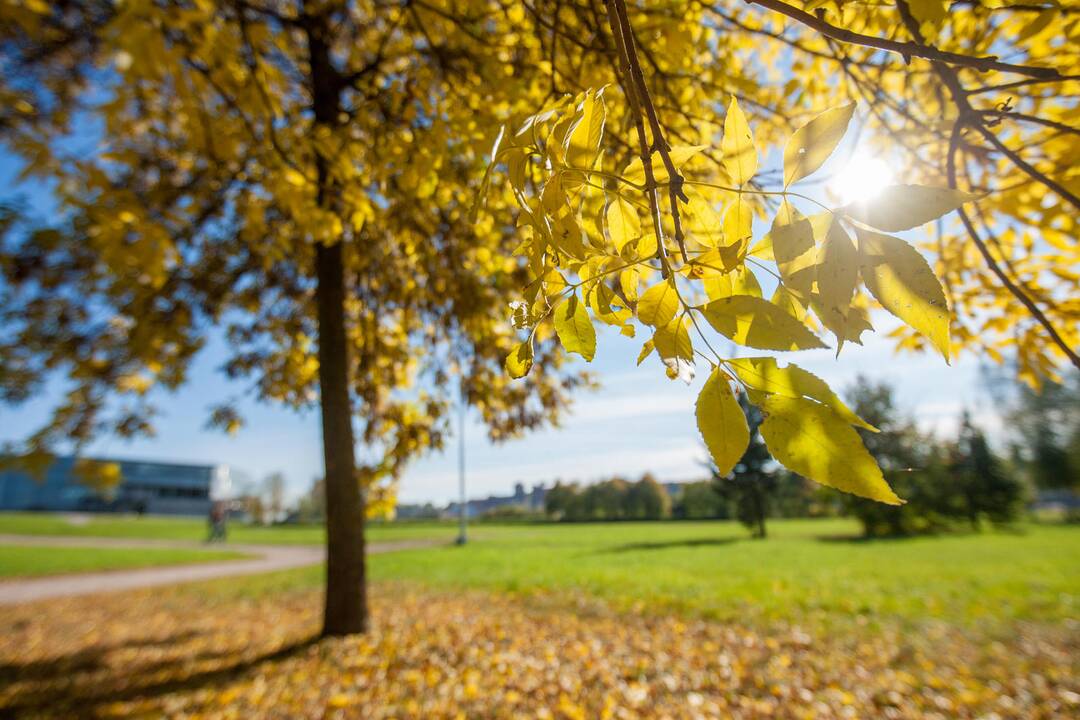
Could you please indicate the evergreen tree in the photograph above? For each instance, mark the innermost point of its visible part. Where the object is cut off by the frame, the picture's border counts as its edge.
(750, 484)
(988, 488)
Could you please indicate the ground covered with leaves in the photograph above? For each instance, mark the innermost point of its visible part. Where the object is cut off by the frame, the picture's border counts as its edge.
(203, 651)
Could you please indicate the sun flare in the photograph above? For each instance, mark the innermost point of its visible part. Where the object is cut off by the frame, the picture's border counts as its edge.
(862, 178)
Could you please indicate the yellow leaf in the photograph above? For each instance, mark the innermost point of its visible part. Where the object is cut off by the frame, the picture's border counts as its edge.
(838, 269)
(646, 350)
(757, 323)
(574, 328)
(628, 281)
(902, 207)
(792, 238)
(737, 145)
(721, 423)
(812, 144)
(520, 360)
(623, 223)
(738, 221)
(786, 301)
(679, 154)
(765, 374)
(481, 192)
(902, 281)
(811, 440)
(848, 324)
(739, 281)
(658, 305)
(702, 221)
(929, 11)
(646, 246)
(583, 140)
(673, 341)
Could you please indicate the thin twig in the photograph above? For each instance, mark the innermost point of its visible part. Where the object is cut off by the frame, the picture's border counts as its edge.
(1019, 294)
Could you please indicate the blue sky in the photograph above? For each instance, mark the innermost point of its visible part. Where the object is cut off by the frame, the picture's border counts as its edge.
(638, 421)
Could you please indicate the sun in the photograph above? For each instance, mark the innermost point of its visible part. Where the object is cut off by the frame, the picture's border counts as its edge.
(861, 179)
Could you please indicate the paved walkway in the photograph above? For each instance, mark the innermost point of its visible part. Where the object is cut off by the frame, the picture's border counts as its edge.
(266, 558)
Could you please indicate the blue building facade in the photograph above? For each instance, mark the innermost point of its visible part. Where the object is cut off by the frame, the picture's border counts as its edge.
(145, 487)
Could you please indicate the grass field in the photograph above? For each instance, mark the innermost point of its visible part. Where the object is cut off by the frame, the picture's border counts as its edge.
(807, 571)
(711, 569)
(807, 568)
(169, 528)
(19, 561)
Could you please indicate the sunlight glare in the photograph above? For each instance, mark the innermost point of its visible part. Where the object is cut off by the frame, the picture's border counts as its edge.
(861, 179)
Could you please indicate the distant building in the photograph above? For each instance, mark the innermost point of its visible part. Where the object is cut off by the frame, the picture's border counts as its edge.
(406, 511)
(145, 487)
(532, 501)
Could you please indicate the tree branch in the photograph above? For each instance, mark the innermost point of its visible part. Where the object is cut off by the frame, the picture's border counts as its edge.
(995, 268)
(643, 144)
(906, 49)
(675, 179)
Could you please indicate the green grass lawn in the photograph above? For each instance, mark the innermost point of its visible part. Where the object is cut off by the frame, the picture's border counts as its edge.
(804, 572)
(169, 528)
(807, 569)
(18, 562)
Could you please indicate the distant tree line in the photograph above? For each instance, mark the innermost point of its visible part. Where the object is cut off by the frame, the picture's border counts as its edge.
(958, 482)
(614, 499)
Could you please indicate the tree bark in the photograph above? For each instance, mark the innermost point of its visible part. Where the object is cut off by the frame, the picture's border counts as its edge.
(346, 610)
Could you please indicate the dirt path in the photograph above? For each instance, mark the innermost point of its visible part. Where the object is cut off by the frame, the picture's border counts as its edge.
(266, 558)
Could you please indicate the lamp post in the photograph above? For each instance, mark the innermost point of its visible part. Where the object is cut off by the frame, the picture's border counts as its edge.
(462, 537)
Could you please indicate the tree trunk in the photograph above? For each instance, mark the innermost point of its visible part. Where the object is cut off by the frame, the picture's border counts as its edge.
(346, 609)
(759, 510)
(346, 591)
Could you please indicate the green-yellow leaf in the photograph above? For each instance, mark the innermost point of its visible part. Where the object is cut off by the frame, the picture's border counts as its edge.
(813, 441)
(740, 155)
(658, 305)
(679, 154)
(757, 323)
(520, 360)
(902, 207)
(574, 328)
(623, 222)
(721, 423)
(765, 374)
(902, 281)
(812, 144)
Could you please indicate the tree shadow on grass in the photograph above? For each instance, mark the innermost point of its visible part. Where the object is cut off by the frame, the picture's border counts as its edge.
(670, 544)
(73, 685)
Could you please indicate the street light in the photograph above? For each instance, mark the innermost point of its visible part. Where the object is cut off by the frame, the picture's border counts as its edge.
(462, 537)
